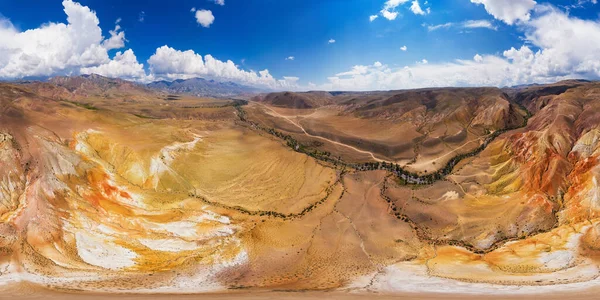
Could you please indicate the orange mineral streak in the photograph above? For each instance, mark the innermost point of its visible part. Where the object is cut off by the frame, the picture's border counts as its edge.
(577, 199)
(590, 243)
(543, 169)
(105, 195)
(543, 202)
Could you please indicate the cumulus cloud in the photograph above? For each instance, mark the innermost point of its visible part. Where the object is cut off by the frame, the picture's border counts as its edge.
(290, 58)
(78, 47)
(567, 45)
(288, 82)
(416, 8)
(331, 41)
(204, 17)
(142, 16)
(220, 2)
(116, 39)
(567, 48)
(478, 58)
(390, 15)
(556, 46)
(459, 73)
(56, 48)
(356, 70)
(123, 65)
(169, 63)
(508, 11)
(389, 9)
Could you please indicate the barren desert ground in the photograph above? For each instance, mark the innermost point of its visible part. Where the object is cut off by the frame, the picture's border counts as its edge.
(239, 198)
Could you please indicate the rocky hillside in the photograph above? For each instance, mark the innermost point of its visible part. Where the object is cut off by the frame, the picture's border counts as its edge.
(97, 85)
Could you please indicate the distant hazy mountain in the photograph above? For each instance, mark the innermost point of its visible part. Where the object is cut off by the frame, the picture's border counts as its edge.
(204, 87)
(91, 86)
(95, 84)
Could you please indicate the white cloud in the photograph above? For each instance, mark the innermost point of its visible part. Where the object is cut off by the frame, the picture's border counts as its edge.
(55, 48)
(204, 17)
(582, 3)
(508, 11)
(123, 65)
(568, 48)
(78, 47)
(142, 16)
(459, 73)
(169, 63)
(220, 2)
(356, 70)
(331, 41)
(290, 58)
(390, 15)
(416, 8)
(288, 82)
(479, 24)
(389, 9)
(117, 38)
(556, 46)
(424, 61)
(568, 45)
(403, 48)
(393, 4)
(439, 26)
(469, 24)
(193, 9)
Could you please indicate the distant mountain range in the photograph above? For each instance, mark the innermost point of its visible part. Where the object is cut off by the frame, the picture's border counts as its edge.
(204, 87)
(101, 85)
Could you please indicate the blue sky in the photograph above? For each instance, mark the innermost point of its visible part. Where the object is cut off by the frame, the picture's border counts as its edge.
(453, 42)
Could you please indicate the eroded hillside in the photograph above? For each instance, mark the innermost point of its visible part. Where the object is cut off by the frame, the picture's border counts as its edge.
(420, 130)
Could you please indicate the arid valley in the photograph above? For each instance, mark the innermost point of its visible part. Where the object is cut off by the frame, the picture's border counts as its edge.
(108, 186)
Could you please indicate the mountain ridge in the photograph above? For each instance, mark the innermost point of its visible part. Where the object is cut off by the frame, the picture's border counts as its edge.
(203, 87)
